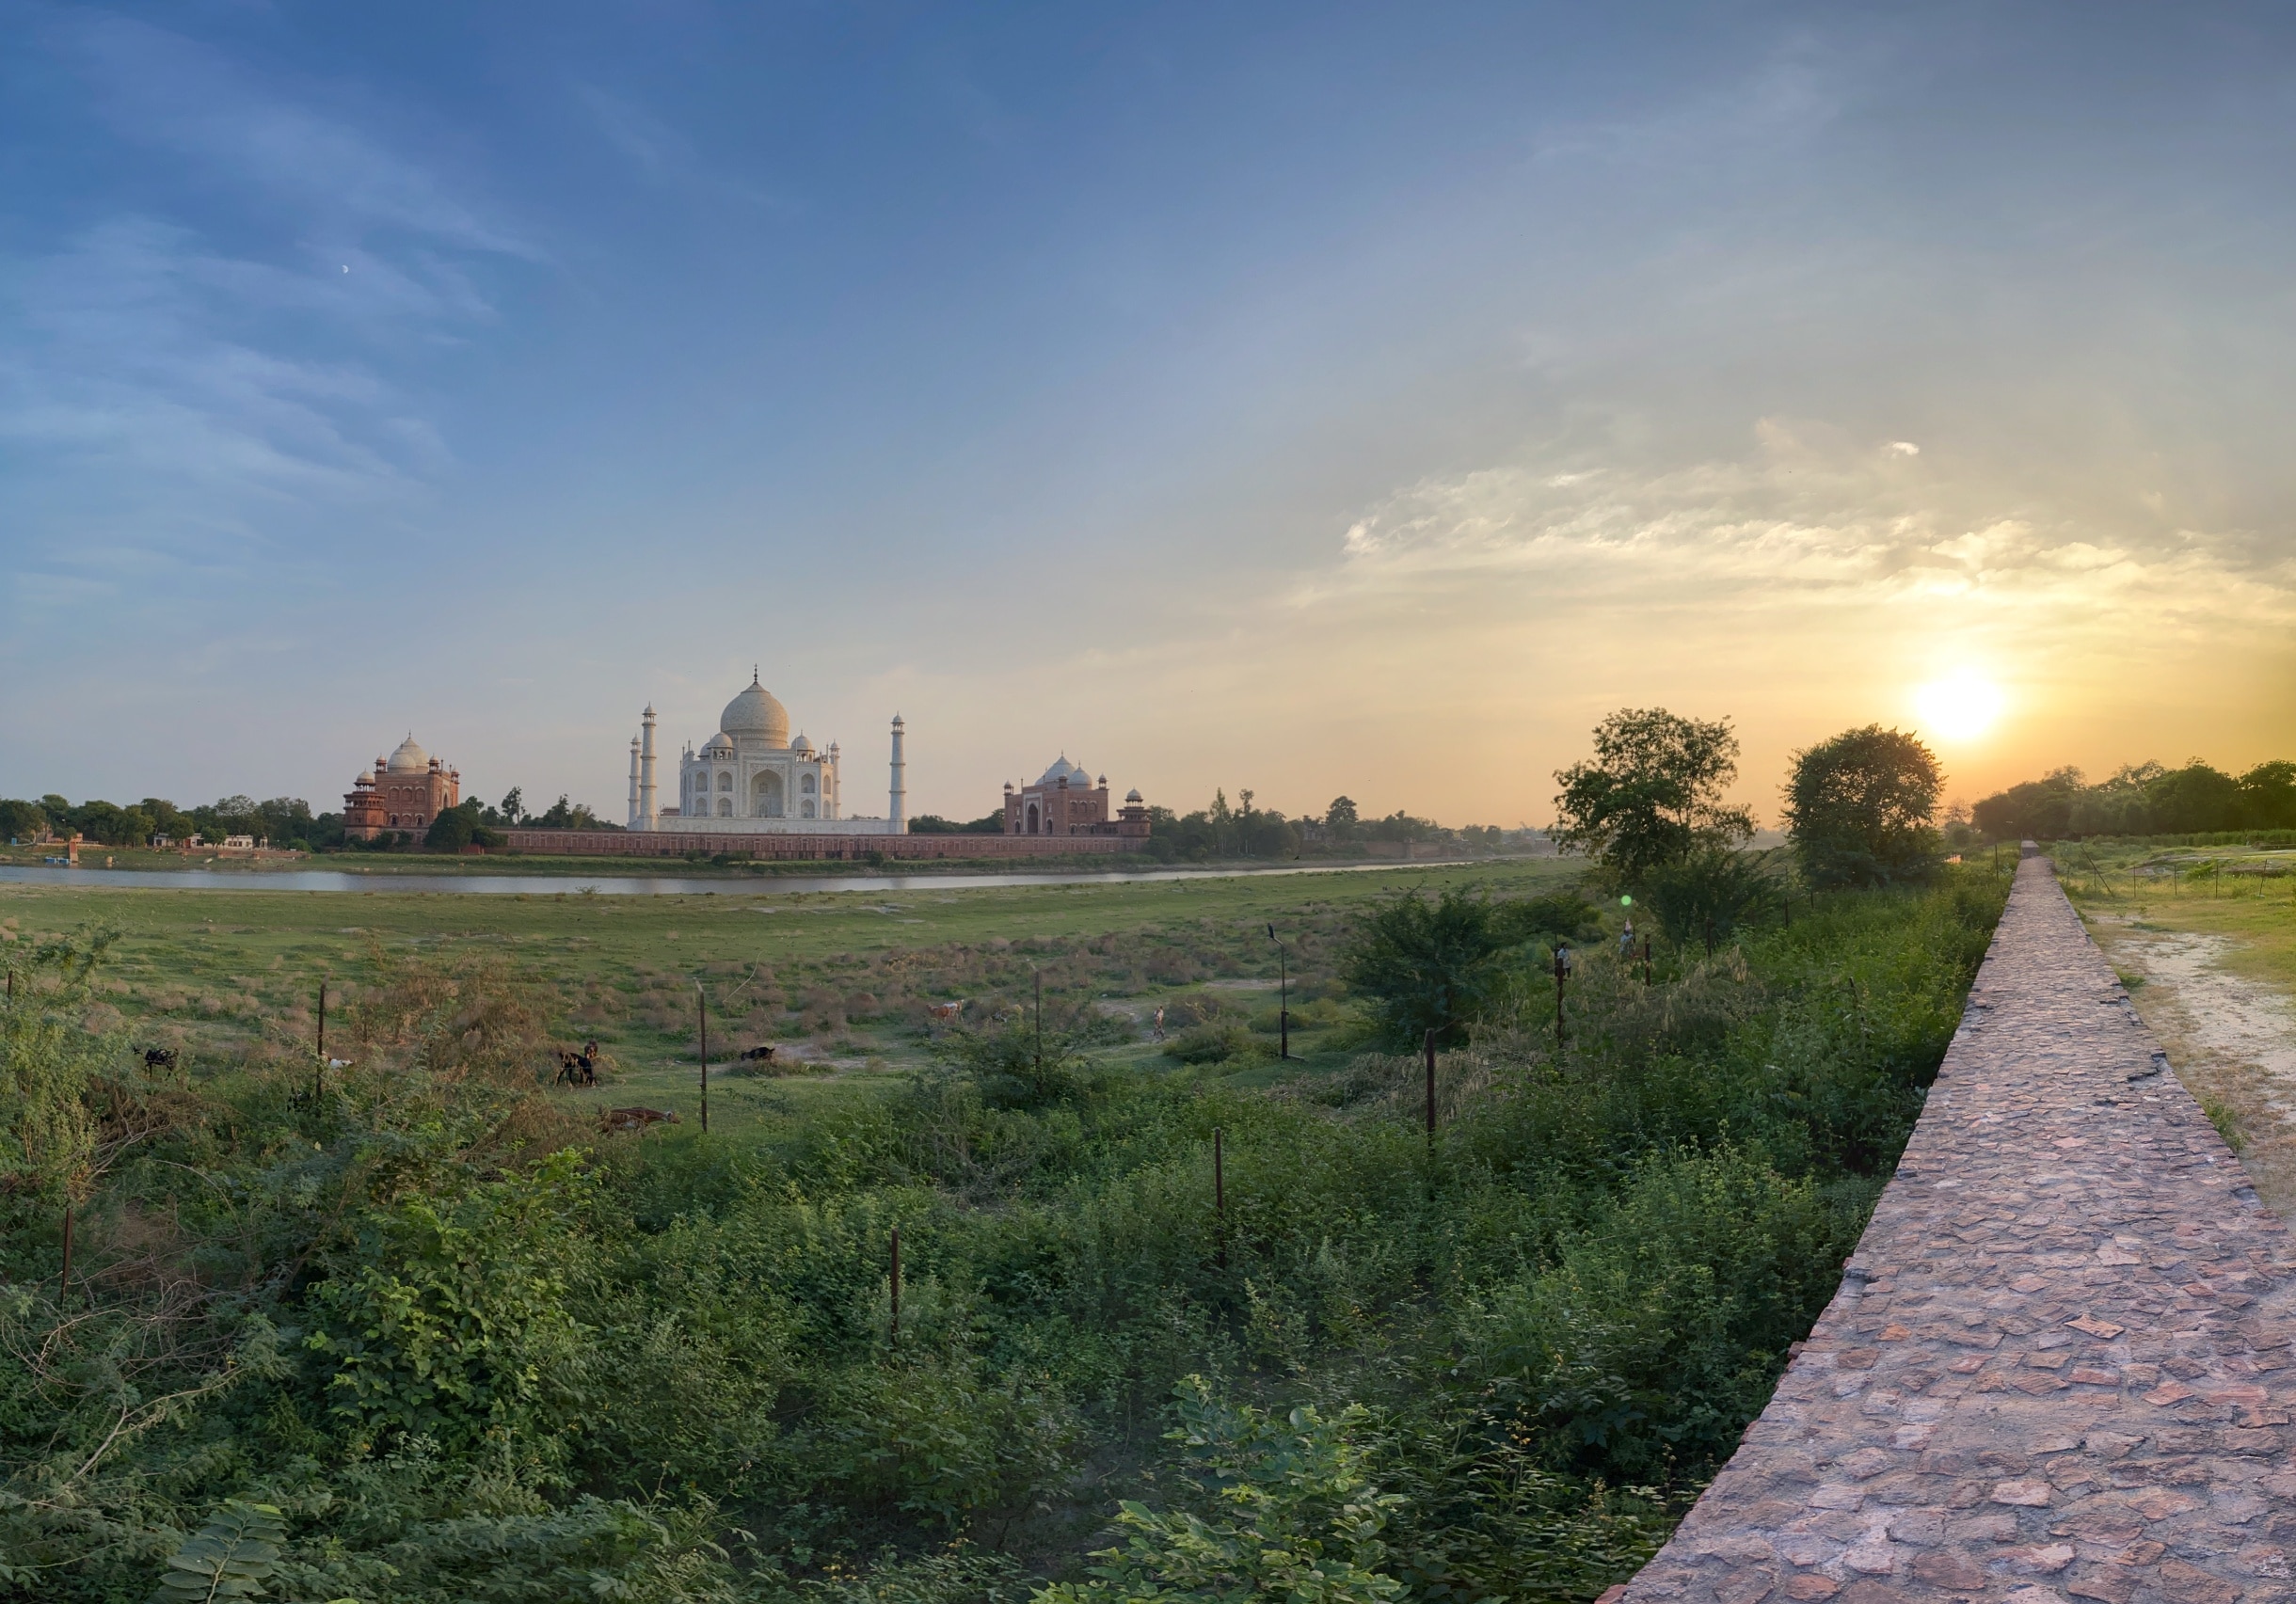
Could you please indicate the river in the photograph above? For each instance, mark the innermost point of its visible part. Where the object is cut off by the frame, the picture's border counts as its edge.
(619, 886)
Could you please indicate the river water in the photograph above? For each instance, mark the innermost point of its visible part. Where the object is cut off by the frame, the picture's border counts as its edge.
(616, 885)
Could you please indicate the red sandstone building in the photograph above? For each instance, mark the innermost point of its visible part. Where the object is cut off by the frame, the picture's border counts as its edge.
(403, 793)
(1065, 801)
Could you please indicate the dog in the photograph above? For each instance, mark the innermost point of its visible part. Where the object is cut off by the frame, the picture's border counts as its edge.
(635, 1118)
(758, 1055)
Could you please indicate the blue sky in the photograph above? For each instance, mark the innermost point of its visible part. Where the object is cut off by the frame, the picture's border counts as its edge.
(1316, 399)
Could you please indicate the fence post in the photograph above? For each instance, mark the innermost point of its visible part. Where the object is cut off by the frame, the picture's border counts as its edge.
(1220, 1202)
(895, 1334)
(1430, 1052)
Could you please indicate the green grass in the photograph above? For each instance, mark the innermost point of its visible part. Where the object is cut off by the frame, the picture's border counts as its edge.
(840, 978)
(2246, 895)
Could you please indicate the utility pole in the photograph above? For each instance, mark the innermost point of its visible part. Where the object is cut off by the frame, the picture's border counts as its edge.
(1284, 1004)
(702, 998)
(896, 1331)
(63, 1287)
(318, 1078)
(1039, 1022)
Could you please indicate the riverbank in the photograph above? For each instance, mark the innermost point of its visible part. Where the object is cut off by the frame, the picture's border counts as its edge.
(443, 865)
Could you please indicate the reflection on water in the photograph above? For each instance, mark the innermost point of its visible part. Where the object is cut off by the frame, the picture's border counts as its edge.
(619, 886)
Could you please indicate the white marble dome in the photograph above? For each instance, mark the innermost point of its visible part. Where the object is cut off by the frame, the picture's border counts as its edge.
(756, 715)
(410, 758)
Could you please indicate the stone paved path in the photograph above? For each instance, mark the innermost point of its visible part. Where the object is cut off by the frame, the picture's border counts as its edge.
(2058, 1366)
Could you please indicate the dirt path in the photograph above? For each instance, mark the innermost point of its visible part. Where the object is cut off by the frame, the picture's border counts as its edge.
(2231, 1039)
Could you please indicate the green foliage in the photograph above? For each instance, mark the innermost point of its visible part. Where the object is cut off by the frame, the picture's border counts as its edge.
(1859, 806)
(471, 1350)
(1291, 1514)
(2144, 798)
(229, 1557)
(1422, 965)
(447, 1318)
(1657, 1331)
(22, 821)
(1653, 793)
(933, 824)
(1027, 1059)
(1713, 893)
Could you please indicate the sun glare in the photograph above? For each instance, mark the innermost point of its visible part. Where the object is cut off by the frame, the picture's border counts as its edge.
(1961, 706)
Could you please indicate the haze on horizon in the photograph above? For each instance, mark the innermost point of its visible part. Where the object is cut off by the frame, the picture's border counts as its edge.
(1315, 399)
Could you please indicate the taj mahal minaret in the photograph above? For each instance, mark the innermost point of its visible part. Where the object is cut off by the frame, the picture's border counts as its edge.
(898, 812)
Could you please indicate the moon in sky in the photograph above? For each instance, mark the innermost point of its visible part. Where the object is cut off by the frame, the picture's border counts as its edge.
(1963, 706)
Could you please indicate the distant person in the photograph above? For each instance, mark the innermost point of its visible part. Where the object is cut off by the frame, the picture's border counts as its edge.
(1626, 940)
(1159, 1025)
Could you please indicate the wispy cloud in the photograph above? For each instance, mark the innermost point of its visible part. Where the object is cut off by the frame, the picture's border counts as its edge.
(661, 153)
(192, 377)
(1802, 519)
(162, 89)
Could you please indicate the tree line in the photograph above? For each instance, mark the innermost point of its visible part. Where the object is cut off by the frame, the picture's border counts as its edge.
(2142, 799)
(1650, 811)
(1242, 829)
(285, 822)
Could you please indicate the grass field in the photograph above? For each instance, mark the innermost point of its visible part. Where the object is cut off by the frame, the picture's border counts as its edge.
(2205, 941)
(842, 982)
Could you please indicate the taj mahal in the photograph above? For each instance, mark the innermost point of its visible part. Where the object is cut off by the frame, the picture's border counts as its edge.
(750, 778)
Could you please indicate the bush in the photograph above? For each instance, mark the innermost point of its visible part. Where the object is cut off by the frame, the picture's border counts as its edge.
(1710, 895)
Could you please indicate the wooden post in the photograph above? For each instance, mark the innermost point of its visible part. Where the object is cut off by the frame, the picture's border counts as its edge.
(703, 999)
(1645, 960)
(1561, 970)
(896, 1330)
(1283, 996)
(63, 1289)
(1040, 1022)
(318, 1073)
(1430, 1052)
(1220, 1202)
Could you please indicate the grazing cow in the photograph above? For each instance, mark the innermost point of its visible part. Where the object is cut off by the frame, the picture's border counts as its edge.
(159, 1057)
(635, 1118)
(758, 1055)
(946, 1012)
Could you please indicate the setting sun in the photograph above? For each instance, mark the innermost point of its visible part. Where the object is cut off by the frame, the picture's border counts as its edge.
(1961, 706)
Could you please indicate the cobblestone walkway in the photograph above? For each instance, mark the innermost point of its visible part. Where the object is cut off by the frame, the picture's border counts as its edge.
(2058, 1366)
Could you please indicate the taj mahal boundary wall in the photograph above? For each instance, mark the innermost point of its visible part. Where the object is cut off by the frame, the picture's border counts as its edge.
(2059, 1367)
(809, 848)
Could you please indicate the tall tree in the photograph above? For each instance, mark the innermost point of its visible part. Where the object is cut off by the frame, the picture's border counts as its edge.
(1861, 808)
(1653, 793)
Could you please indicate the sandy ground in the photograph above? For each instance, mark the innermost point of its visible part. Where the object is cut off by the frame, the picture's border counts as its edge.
(2232, 1040)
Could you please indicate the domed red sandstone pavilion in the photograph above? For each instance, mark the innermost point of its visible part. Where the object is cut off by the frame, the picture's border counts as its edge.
(403, 792)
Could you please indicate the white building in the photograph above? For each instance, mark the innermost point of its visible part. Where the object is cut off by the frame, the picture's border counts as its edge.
(750, 779)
